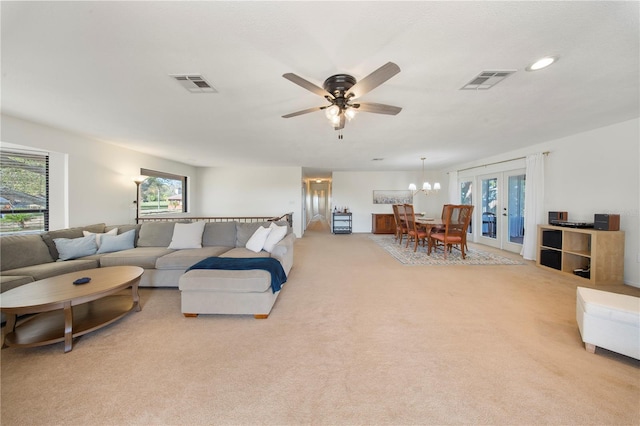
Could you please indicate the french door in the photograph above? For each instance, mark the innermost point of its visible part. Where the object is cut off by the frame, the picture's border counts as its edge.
(500, 211)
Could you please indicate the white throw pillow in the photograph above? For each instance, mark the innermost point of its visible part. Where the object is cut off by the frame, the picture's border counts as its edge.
(114, 231)
(275, 236)
(111, 243)
(187, 235)
(256, 242)
(72, 248)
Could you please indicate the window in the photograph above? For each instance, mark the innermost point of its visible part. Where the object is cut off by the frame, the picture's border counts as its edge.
(24, 191)
(162, 193)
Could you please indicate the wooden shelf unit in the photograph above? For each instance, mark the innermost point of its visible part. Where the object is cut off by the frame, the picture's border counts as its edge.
(567, 249)
(383, 223)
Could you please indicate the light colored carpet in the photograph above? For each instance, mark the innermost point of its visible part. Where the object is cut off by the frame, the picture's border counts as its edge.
(473, 255)
(355, 338)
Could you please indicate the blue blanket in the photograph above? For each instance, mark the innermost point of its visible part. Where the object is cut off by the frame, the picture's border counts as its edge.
(269, 264)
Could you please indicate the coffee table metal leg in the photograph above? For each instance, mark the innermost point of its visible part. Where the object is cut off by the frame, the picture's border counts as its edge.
(68, 327)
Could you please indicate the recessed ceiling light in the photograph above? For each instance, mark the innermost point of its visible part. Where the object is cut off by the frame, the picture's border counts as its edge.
(542, 63)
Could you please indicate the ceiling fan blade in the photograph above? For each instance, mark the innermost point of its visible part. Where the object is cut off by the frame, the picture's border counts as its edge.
(306, 84)
(378, 108)
(374, 80)
(340, 126)
(304, 111)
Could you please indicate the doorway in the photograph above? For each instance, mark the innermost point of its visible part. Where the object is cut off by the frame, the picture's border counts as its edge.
(501, 210)
(317, 204)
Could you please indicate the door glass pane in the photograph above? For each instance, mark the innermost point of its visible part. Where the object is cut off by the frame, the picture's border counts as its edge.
(516, 208)
(489, 205)
(466, 197)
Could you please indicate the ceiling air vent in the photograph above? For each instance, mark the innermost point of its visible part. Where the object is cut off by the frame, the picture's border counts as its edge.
(487, 79)
(194, 83)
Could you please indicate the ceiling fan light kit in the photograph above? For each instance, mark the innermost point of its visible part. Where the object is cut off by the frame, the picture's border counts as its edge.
(341, 89)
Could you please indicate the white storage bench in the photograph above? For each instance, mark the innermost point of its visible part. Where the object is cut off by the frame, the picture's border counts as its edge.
(609, 320)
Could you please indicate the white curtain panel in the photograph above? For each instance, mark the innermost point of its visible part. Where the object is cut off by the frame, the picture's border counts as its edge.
(533, 204)
(454, 192)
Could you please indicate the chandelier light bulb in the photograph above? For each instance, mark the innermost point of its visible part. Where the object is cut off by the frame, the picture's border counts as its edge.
(412, 187)
(436, 186)
(426, 186)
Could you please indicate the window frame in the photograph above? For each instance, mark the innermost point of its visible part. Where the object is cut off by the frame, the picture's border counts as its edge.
(33, 155)
(147, 173)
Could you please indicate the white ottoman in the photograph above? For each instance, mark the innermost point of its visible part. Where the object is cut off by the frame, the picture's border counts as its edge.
(609, 320)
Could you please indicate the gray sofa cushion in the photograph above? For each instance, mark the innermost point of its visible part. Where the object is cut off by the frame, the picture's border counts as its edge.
(155, 234)
(52, 269)
(183, 259)
(219, 234)
(124, 228)
(220, 280)
(48, 237)
(244, 231)
(7, 282)
(144, 257)
(17, 251)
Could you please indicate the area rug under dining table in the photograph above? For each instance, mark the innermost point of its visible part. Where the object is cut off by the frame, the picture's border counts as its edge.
(407, 256)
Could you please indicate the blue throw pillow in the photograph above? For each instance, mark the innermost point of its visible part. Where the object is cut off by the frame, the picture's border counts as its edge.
(111, 243)
(72, 248)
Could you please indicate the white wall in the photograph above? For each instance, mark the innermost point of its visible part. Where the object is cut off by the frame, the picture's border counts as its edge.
(251, 191)
(587, 173)
(96, 186)
(355, 191)
(593, 172)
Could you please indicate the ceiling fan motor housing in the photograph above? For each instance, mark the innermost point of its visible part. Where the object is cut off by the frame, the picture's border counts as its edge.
(338, 85)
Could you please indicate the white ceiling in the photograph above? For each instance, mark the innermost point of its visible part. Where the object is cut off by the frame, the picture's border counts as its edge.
(102, 69)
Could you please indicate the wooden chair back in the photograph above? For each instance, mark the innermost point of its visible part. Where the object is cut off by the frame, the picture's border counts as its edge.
(413, 229)
(397, 221)
(456, 223)
(410, 217)
(401, 223)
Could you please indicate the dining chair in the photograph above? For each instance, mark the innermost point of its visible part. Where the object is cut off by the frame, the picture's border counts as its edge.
(456, 224)
(413, 229)
(401, 226)
(440, 228)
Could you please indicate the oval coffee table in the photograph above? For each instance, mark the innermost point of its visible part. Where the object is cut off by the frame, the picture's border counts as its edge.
(65, 310)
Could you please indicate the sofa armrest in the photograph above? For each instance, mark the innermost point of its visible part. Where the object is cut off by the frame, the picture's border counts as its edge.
(283, 251)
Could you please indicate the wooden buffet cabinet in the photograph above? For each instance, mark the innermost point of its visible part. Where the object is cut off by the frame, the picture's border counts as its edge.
(383, 223)
(597, 256)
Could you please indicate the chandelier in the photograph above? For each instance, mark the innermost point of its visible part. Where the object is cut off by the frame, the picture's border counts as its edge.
(426, 186)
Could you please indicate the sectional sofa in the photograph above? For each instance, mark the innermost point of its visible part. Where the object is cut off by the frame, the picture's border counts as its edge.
(164, 249)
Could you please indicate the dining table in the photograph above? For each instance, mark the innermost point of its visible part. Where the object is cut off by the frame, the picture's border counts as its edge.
(429, 222)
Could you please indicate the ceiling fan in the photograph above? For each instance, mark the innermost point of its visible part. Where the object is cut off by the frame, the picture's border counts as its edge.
(342, 89)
